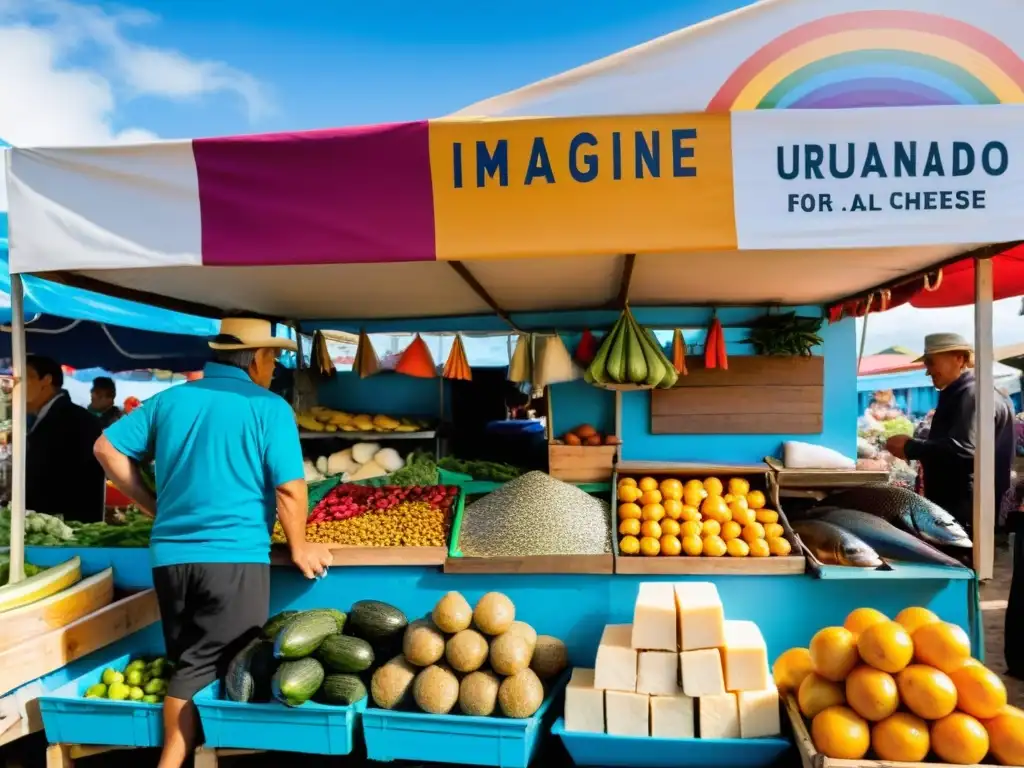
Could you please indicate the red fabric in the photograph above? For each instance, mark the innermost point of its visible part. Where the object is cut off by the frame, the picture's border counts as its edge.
(957, 287)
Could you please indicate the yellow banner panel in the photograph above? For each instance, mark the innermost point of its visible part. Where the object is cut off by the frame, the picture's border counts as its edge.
(579, 186)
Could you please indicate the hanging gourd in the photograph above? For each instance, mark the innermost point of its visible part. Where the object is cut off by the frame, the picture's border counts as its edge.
(679, 352)
(554, 363)
(520, 367)
(457, 366)
(321, 361)
(586, 349)
(366, 363)
(417, 361)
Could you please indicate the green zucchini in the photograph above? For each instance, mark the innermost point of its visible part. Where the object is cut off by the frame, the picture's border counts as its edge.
(275, 623)
(339, 616)
(239, 684)
(375, 621)
(296, 682)
(341, 653)
(303, 634)
(342, 689)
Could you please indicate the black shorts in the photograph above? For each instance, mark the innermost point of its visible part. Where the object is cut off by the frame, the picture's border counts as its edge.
(209, 612)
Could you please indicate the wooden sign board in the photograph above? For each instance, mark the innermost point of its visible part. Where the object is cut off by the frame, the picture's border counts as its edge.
(755, 395)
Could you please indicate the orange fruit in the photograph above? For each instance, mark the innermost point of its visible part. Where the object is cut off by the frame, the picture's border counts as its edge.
(941, 645)
(630, 511)
(710, 528)
(650, 546)
(651, 497)
(715, 508)
(886, 646)
(713, 486)
(840, 733)
(773, 531)
(651, 528)
(741, 513)
(714, 546)
(729, 498)
(860, 619)
(926, 691)
(673, 508)
(753, 531)
(761, 548)
(629, 527)
(669, 527)
(693, 545)
(671, 489)
(834, 653)
(815, 694)
(670, 545)
(872, 693)
(779, 546)
(648, 484)
(629, 493)
(979, 691)
(738, 486)
(914, 617)
(959, 739)
(901, 737)
(629, 545)
(652, 512)
(689, 513)
(694, 493)
(737, 548)
(755, 500)
(627, 481)
(731, 530)
(690, 528)
(1006, 736)
(790, 669)
(766, 516)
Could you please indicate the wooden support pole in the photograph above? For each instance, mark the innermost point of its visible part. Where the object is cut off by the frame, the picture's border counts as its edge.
(627, 278)
(985, 502)
(463, 271)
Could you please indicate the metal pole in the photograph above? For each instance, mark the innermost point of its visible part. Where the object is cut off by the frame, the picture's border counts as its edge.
(985, 424)
(18, 431)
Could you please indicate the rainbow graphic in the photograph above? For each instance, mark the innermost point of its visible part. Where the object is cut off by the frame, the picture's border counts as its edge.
(876, 59)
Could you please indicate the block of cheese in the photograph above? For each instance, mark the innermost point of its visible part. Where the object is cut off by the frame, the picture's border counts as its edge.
(627, 714)
(759, 713)
(657, 673)
(719, 717)
(745, 657)
(584, 704)
(672, 717)
(615, 668)
(701, 672)
(654, 618)
(700, 615)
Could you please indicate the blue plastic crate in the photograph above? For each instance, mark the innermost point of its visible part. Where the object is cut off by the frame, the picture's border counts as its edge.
(600, 749)
(68, 718)
(317, 729)
(498, 741)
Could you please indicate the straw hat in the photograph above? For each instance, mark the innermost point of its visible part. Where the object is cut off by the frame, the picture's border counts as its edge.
(248, 333)
(937, 343)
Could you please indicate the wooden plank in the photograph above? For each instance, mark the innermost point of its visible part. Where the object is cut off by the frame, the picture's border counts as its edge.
(581, 464)
(749, 424)
(81, 599)
(701, 469)
(560, 564)
(791, 565)
(754, 370)
(739, 400)
(43, 654)
(348, 556)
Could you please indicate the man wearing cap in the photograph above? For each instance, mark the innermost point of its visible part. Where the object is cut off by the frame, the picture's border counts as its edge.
(228, 461)
(947, 454)
(101, 401)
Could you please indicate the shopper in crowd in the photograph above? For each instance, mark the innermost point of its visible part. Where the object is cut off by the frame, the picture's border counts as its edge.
(103, 395)
(229, 461)
(62, 476)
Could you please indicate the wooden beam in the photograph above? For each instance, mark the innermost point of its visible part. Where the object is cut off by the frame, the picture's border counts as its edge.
(985, 501)
(76, 280)
(628, 263)
(463, 271)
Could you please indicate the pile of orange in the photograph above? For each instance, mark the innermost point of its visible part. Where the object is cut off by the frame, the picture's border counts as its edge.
(696, 518)
(901, 690)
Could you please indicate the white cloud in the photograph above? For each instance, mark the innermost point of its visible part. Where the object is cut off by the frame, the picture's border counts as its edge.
(907, 327)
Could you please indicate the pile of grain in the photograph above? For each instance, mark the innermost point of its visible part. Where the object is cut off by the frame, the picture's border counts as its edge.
(535, 515)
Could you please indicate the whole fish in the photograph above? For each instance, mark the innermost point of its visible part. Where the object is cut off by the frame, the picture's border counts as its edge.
(904, 509)
(884, 537)
(833, 545)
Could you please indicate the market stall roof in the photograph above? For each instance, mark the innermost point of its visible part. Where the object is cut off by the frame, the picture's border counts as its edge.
(887, 363)
(1005, 378)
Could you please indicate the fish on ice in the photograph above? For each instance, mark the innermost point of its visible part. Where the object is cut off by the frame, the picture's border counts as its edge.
(833, 545)
(884, 537)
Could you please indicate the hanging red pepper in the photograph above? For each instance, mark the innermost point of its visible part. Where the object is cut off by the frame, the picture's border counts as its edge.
(723, 359)
(711, 346)
(586, 350)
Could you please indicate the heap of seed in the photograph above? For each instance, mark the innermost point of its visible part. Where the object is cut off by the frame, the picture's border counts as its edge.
(535, 514)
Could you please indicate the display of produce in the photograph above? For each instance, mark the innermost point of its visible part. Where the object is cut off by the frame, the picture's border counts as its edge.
(5, 568)
(902, 690)
(320, 419)
(494, 471)
(883, 537)
(483, 662)
(535, 514)
(630, 354)
(363, 461)
(41, 585)
(785, 334)
(681, 670)
(43, 530)
(587, 435)
(388, 516)
(140, 680)
(695, 518)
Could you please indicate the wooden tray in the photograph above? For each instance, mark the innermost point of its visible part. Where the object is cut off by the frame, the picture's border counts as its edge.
(581, 463)
(557, 564)
(790, 565)
(822, 479)
(346, 556)
(810, 757)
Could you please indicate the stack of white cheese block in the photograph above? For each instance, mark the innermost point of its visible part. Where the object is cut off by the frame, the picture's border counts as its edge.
(679, 671)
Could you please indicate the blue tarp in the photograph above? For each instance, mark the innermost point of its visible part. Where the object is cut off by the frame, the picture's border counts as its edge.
(914, 393)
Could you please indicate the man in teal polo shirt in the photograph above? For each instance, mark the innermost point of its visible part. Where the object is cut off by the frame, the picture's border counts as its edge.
(228, 461)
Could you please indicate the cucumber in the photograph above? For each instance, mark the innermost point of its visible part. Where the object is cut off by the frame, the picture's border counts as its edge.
(375, 621)
(342, 689)
(341, 653)
(339, 616)
(275, 623)
(303, 634)
(296, 682)
(239, 684)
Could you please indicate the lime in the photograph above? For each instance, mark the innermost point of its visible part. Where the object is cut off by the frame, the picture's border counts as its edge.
(135, 693)
(156, 685)
(134, 677)
(118, 692)
(137, 664)
(111, 676)
(151, 698)
(97, 691)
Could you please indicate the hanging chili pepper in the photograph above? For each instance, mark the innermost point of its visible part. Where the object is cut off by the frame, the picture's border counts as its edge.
(679, 352)
(723, 359)
(711, 345)
(586, 350)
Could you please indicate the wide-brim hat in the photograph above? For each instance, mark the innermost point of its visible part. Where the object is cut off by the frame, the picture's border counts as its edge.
(937, 343)
(237, 333)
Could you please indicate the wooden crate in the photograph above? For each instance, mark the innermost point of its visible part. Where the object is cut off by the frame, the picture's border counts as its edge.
(581, 463)
(755, 395)
(358, 556)
(756, 474)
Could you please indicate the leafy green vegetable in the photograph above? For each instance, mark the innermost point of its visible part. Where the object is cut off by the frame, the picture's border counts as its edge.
(785, 334)
(420, 469)
(481, 470)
